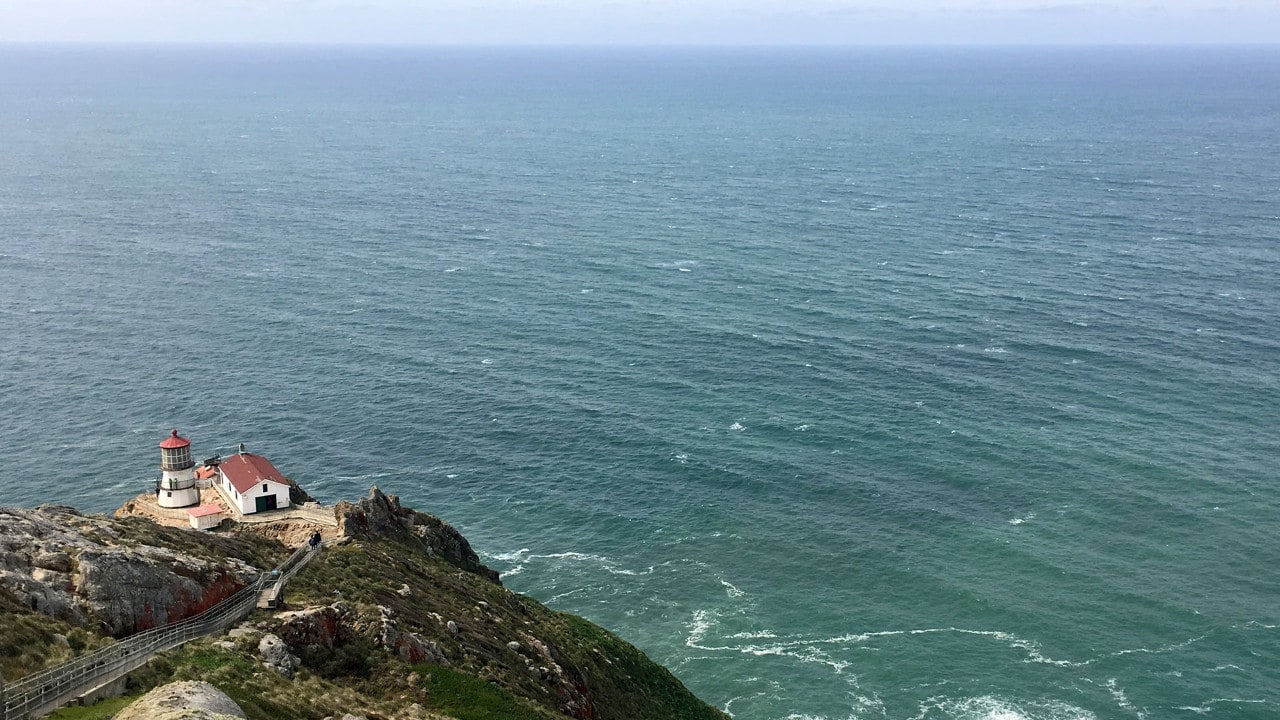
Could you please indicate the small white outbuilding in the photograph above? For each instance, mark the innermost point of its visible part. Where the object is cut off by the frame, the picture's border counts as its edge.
(205, 517)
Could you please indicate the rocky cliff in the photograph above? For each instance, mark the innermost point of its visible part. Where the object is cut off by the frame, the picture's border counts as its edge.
(381, 516)
(398, 618)
(119, 576)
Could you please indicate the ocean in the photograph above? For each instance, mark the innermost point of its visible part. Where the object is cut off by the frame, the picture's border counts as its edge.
(847, 383)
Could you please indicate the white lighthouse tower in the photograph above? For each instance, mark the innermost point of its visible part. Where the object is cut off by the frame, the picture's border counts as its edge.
(177, 486)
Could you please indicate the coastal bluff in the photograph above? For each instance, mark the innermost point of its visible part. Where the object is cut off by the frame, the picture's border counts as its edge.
(395, 618)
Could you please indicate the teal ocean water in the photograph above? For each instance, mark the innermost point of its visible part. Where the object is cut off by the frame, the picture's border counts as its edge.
(846, 383)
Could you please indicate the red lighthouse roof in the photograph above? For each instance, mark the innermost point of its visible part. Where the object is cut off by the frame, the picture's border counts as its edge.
(175, 441)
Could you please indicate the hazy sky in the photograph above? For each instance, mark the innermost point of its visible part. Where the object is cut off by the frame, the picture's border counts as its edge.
(854, 22)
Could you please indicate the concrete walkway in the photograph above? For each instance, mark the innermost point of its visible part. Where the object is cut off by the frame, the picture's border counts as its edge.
(310, 513)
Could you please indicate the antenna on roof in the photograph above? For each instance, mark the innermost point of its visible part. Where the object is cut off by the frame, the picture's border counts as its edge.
(241, 448)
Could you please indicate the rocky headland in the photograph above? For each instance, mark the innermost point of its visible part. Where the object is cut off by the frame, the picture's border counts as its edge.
(395, 619)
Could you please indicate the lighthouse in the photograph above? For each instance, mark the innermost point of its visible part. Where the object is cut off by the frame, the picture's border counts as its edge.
(177, 486)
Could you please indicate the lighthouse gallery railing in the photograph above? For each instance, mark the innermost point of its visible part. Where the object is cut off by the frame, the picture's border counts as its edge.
(43, 692)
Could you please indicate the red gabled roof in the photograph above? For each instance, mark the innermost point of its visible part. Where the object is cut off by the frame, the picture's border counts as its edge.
(175, 441)
(204, 510)
(245, 470)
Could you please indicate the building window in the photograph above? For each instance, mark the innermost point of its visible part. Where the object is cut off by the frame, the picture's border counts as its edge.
(264, 487)
(168, 494)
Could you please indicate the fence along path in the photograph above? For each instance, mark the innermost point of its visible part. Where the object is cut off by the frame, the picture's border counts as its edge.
(269, 595)
(43, 692)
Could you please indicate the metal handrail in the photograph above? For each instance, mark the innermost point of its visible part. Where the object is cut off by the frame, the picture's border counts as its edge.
(289, 568)
(303, 555)
(50, 688)
(45, 690)
(140, 637)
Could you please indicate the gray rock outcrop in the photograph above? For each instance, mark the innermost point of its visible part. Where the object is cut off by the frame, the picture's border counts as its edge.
(381, 515)
(326, 626)
(409, 646)
(276, 656)
(330, 626)
(80, 568)
(189, 700)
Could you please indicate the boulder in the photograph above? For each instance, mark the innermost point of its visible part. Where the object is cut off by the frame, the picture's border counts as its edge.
(409, 646)
(314, 627)
(276, 656)
(183, 701)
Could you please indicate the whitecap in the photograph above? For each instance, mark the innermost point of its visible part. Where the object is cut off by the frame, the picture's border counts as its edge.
(511, 556)
(1030, 647)
(1207, 707)
(607, 564)
(571, 555)
(1118, 694)
(702, 622)
(731, 590)
(754, 635)
(737, 426)
(988, 707)
(800, 428)
(624, 571)
(995, 350)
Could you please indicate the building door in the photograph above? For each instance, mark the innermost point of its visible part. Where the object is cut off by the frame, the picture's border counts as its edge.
(266, 502)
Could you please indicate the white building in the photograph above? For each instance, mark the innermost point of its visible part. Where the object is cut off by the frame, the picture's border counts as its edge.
(251, 483)
(205, 517)
(177, 485)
